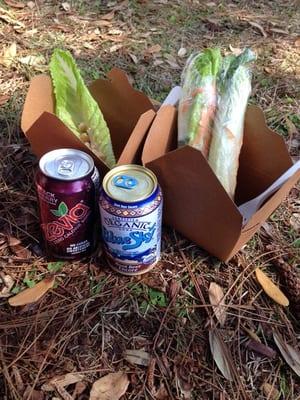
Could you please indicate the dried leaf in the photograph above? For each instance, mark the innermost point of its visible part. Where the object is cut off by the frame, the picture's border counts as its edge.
(184, 386)
(252, 335)
(270, 288)
(157, 62)
(115, 32)
(153, 49)
(292, 130)
(260, 348)
(137, 357)
(173, 288)
(291, 356)
(220, 354)
(32, 60)
(276, 30)
(63, 380)
(270, 391)
(9, 55)
(115, 47)
(7, 285)
(235, 50)
(134, 58)
(110, 387)
(3, 99)
(162, 393)
(79, 388)
(173, 65)
(35, 394)
(182, 52)
(103, 23)
(62, 392)
(14, 4)
(31, 5)
(12, 241)
(297, 42)
(259, 27)
(295, 222)
(33, 294)
(18, 378)
(216, 295)
(16, 247)
(66, 6)
(109, 16)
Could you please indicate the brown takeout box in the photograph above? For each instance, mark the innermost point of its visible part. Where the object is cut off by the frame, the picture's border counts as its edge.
(120, 104)
(195, 203)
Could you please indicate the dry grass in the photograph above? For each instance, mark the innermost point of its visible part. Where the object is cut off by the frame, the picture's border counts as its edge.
(93, 315)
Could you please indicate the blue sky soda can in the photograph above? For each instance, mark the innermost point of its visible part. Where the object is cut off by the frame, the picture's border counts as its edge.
(131, 217)
(68, 186)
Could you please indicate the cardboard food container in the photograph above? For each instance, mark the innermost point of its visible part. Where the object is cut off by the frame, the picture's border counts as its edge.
(195, 203)
(120, 104)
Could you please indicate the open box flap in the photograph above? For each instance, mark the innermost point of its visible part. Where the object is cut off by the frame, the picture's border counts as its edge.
(162, 136)
(120, 103)
(132, 151)
(264, 157)
(39, 99)
(195, 202)
(49, 133)
(262, 214)
(121, 106)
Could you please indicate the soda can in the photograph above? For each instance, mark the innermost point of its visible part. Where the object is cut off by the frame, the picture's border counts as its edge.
(131, 216)
(67, 186)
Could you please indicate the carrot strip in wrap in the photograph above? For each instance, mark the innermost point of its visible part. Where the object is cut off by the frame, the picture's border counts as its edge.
(234, 87)
(197, 105)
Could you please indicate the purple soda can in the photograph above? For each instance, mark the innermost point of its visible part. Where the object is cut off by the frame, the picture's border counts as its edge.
(67, 186)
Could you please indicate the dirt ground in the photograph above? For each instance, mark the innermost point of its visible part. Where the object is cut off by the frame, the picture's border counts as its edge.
(88, 324)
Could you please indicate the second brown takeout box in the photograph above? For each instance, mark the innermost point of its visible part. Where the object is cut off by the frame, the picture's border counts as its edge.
(195, 203)
(120, 104)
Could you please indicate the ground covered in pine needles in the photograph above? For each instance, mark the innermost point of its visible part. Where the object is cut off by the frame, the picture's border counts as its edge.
(159, 329)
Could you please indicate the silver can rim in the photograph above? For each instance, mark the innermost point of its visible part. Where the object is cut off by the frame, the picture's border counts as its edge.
(65, 151)
(119, 168)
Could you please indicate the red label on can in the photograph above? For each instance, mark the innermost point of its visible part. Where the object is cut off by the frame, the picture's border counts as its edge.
(68, 216)
(67, 223)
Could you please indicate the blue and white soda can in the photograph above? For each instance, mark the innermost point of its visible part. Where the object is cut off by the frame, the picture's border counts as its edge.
(131, 218)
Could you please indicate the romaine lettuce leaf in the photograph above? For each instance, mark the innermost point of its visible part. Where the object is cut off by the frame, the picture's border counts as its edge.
(76, 107)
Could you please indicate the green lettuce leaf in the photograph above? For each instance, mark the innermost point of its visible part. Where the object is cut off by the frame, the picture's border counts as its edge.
(76, 107)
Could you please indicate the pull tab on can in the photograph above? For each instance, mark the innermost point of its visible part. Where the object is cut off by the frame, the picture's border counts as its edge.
(66, 167)
(125, 181)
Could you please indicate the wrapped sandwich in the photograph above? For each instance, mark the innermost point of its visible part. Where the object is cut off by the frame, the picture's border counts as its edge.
(234, 88)
(197, 106)
(77, 109)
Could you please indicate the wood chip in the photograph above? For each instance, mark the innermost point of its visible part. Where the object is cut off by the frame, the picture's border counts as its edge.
(270, 288)
(137, 357)
(33, 294)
